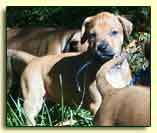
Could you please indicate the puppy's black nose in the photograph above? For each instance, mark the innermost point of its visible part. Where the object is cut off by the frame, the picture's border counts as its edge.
(102, 47)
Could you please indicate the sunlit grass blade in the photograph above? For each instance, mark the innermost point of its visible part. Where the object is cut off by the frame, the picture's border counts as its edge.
(62, 97)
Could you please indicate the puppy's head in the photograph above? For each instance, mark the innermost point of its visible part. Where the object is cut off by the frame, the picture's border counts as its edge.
(105, 33)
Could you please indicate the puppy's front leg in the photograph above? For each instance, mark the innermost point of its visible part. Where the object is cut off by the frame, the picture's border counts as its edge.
(32, 107)
(33, 93)
(105, 115)
(96, 98)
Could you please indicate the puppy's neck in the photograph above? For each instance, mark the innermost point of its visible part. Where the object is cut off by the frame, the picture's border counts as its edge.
(113, 75)
(119, 75)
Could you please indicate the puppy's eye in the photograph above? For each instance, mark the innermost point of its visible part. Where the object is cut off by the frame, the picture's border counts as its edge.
(114, 32)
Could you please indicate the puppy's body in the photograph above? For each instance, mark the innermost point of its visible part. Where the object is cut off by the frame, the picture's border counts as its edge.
(60, 64)
(41, 78)
(39, 41)
(125, 106)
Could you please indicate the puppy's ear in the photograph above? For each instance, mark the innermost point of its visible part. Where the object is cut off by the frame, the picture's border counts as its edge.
(84, 30)
(127, 26)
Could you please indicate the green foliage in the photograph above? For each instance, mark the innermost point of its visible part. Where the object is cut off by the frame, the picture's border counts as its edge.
(72, 17)
(136, 57)
(50, 115)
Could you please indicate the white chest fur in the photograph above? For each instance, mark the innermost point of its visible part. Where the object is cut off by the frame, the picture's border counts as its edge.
(118, 75)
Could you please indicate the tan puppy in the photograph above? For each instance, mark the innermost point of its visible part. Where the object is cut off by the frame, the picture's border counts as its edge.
(104, 33)
(121, 105)
(39, 41)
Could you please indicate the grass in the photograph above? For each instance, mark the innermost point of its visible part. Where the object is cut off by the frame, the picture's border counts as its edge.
(50, 115)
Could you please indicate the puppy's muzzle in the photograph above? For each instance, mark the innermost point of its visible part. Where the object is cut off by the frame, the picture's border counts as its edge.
(104, 51)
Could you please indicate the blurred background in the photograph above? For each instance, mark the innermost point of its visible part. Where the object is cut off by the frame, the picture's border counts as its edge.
(72, 17)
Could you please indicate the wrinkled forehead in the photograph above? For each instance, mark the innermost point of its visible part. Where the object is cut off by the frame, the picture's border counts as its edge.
(106, 20)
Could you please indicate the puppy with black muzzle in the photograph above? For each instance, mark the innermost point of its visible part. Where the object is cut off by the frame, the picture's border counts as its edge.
(104, 33)
(105, 41)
